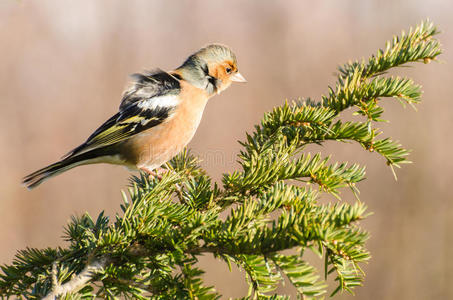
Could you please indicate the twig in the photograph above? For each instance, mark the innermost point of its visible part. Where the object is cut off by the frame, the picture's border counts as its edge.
(77, 282)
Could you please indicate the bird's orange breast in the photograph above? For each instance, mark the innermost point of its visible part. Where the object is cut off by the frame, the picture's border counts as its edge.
(159, 144)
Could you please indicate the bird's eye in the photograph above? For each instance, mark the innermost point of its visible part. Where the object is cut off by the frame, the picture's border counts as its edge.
(228, 70)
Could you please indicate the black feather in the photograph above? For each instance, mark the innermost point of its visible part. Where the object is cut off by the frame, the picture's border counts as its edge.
(146, 86)
(37, 177)
(151, 84)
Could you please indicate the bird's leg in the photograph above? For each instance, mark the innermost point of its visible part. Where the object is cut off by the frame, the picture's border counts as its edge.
(154, 173)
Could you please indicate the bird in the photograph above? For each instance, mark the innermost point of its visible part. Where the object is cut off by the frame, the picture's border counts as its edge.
(158, 116)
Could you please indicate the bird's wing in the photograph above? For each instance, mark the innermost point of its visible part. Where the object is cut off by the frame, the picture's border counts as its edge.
(147, 103)
(151, 84)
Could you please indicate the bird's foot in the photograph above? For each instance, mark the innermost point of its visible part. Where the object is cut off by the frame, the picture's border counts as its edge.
(154, 172)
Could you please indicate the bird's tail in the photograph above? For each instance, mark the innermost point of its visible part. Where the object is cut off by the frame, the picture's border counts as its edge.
(36, 178)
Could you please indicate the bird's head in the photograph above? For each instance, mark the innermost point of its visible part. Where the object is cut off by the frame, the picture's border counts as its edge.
(212, 68)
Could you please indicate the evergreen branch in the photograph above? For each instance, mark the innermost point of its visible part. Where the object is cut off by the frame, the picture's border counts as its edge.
(261, 274)
(299, 225)
(194, 284)
(266, 208)
(301, 275)
(266, 167)
(417, 45)
(348, 276)
(76, 282)
(362, 92)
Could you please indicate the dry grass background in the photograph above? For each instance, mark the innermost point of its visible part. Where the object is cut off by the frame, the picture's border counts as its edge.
(63, 65)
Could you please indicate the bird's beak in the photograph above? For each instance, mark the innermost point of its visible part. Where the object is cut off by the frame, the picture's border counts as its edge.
(238, 78)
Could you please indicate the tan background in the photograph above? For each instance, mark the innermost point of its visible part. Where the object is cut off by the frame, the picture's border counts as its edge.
(63, 65)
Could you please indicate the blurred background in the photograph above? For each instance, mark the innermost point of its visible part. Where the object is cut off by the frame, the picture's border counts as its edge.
(64, 64)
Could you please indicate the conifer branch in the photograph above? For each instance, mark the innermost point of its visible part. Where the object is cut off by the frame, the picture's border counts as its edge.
(270, 205)
(416, 45)
(77, 281)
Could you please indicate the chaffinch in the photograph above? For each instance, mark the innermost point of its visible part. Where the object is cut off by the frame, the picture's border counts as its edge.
(158, 116)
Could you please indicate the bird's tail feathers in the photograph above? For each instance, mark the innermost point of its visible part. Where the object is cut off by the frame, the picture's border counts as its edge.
(36, 178)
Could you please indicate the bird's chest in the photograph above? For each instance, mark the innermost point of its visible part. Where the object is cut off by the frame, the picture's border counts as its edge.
(179, 130)
(170, 137)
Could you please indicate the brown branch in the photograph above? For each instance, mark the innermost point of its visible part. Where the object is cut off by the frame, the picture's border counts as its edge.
(76, 282)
